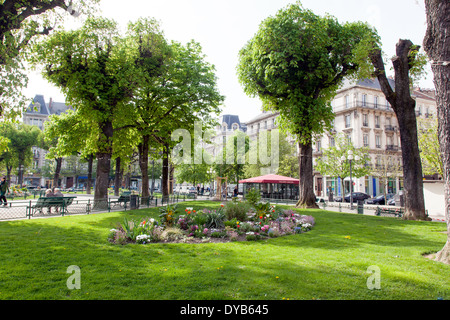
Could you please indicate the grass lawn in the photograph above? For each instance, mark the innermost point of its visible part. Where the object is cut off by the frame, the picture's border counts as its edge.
(330, 262)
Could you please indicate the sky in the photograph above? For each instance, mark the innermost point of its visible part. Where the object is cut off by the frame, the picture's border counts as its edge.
(223, 27)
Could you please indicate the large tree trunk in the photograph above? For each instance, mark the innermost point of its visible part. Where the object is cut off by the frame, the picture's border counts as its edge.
(143, 164)
(404, 108)
(307, 198)
(103, 165)
(117, 177)
(437, 46)
(89, 179)
(165, 172)
(57, 172)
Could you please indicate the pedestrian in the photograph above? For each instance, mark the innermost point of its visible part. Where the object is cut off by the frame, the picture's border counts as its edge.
(235, 192)
(3, 190)
(49, 194)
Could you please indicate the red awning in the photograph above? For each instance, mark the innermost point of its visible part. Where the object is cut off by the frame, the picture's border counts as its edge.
(271, 178)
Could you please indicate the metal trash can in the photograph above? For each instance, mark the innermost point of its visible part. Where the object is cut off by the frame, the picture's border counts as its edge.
(360, 208)
(134, 201)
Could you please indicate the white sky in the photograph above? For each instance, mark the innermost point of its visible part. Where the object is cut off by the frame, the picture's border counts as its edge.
(223, 27)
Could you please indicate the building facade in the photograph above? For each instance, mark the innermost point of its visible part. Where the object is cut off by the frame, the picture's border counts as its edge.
(37, 114)
(366, 119)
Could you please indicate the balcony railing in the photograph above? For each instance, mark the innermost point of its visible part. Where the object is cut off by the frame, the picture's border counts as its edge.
(392, 148)
(390, 128)
(362, 104)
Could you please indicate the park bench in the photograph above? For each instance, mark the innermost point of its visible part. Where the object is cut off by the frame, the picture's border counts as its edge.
(389, 212)
(51, 202)
(123, 199)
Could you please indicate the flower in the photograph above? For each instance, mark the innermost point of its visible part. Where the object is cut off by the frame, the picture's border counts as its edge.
(221, 205)
(347, 237)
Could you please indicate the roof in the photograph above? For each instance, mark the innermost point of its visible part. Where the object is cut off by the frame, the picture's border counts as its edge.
(38, 101)
(271, 178)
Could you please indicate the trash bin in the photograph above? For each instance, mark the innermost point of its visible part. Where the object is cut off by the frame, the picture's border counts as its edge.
(134, 201)
(360, 208)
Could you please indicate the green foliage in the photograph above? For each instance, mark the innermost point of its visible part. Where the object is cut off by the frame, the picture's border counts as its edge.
(167, 215)
(295, 63)
(430, 149)
(253, 196)
(215, 219)
(236, 210)
(330, 163)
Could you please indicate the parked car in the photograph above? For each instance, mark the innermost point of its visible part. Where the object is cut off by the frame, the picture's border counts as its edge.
(395, 200)
(356, 197)
(380, 200)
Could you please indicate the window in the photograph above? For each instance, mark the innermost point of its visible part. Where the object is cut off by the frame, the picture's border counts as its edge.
(375, 102)
(366, 140)
(332, 142)
(349, 139)
(347, 102)
(377, 121)
(364, 100)
(365, 120)
(235, 126)
(318, 145)
(378, 141)
(347, 121)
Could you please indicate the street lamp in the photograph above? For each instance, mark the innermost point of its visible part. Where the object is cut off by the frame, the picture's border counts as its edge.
(350, 158)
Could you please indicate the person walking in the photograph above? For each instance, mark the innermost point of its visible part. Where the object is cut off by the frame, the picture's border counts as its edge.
(3, 190)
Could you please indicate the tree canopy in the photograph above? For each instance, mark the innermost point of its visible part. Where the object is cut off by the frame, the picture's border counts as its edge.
(294, 64)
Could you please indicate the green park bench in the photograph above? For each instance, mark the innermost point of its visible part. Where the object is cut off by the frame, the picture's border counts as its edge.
(123, 199)
(389, 212)
(51, 202)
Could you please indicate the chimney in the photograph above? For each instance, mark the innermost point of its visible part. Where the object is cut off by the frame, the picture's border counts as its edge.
(50, 104)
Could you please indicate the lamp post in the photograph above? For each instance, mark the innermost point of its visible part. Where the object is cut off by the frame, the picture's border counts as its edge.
(350, 158)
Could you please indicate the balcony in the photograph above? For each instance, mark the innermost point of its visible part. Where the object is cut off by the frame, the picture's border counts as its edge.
(392, 148)
(362, 104)
(390, 128)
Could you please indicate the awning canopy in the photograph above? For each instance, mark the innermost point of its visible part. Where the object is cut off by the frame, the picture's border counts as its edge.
(271, 178)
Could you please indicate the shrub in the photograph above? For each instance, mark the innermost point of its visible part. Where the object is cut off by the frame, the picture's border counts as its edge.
(236, 210)
(218, 234)
(215, 219)
(253, 196)
(172, 234)
(168, 215)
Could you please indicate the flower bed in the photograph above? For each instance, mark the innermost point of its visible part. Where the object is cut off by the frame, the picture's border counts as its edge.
(221, 225)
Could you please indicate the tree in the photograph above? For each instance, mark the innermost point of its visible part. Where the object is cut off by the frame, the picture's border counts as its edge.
(437, 46)
(405, 63)
(22, 22)
(175, 87)
(294, 64)
(91, 65)
(430, 152)
(231, 162)
(71, 134)
(22, 138)
(386, 168)
(330, 163)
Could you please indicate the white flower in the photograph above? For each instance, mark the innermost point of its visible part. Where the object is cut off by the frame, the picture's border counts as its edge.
(113, 230)
(250, 232)
(142, 237)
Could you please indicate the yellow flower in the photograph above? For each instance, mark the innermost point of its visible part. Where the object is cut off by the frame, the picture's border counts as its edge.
(347, 237)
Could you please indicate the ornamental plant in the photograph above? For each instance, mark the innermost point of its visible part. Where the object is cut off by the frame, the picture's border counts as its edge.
(168, 215)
